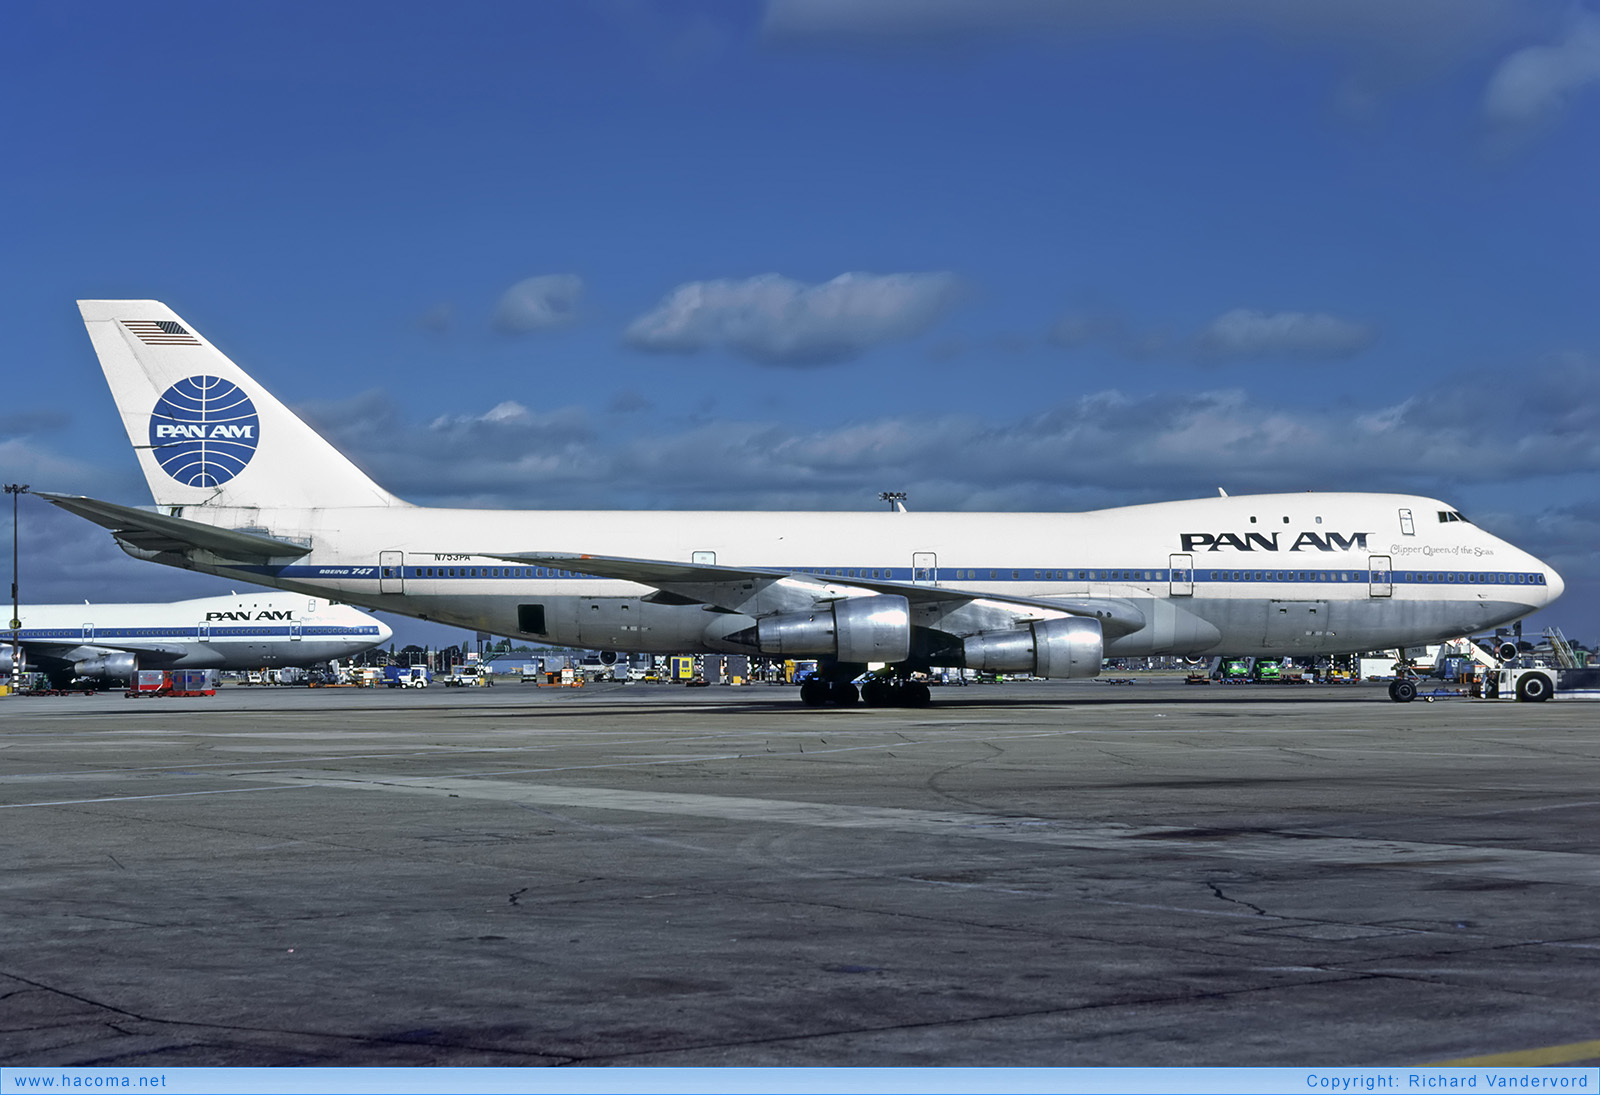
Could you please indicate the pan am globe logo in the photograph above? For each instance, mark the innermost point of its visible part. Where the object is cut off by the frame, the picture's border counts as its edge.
(204, 430)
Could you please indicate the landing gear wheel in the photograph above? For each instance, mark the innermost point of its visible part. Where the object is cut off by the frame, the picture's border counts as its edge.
(843, 693)
(915, 694)
(1534, 688)
(814, 693)
(877, 693)
(1403, 691)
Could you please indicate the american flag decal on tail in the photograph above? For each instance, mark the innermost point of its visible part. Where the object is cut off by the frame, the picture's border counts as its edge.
(160, 332)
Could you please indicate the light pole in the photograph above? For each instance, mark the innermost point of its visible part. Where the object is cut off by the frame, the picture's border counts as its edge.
(16, 490)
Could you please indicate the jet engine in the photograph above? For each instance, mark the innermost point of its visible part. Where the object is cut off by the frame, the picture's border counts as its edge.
(108, 666)
(1071, 647)
(858, 629)
(5, 660)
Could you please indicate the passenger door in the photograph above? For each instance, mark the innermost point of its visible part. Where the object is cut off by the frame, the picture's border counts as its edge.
(391, 572)
(925, 568)
(1182, 568)
(1380, 576)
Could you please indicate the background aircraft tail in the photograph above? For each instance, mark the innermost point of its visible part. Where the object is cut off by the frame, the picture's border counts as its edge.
(204, 431)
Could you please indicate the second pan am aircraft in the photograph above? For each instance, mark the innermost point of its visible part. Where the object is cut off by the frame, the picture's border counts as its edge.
(244, 488)
(111, 642)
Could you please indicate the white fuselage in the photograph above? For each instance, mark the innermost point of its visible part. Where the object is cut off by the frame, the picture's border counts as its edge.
(1261, 574)
(240, 631)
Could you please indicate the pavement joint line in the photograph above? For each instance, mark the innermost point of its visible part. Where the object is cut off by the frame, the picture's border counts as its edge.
(1304, 849)
(1528, 1058)
(141, 798)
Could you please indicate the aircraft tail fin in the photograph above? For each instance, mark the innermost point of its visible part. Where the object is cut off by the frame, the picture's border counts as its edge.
(205, 432)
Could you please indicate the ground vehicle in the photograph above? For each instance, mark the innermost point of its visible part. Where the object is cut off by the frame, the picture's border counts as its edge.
(407, 676)
(466, 675)
(1539, 683)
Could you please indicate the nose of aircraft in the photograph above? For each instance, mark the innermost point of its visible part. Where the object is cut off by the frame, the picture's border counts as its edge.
(385, 632)
(1553, 584)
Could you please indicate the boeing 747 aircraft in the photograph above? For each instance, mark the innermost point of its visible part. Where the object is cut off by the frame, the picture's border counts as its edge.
(112, 642)
(244, 488)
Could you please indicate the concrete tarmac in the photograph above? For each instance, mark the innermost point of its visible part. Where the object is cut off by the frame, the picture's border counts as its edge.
(1068, 873)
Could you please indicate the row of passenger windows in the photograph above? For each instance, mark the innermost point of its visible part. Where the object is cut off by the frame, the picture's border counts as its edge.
(970, 575)
(488, 572)
(214, 630)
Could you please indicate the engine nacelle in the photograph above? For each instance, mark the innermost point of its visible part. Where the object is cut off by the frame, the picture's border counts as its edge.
(860, 629)
(108, 666)
(5, 660)
(1071, 647)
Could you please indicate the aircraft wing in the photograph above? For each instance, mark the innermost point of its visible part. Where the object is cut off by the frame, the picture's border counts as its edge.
(158, 532)
(757, 591)
(71, 650)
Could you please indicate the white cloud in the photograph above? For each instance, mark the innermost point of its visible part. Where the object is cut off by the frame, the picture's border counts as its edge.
(536, 304)
(1246, 333)
(780, 321)
(1103, 448)
(508, 413)
(1533, 84)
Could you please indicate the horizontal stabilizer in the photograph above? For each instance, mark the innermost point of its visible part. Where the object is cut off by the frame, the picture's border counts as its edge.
(155, 532)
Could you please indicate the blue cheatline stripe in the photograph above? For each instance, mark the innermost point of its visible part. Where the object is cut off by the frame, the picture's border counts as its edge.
(945, 574)
(102, 634)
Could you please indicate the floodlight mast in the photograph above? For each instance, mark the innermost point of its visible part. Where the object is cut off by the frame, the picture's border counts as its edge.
(16, 490)
(895, 498)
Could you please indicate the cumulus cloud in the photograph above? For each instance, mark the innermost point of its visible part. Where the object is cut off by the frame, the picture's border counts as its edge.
(1246, 333)
(508, 412)
(537, 304)
(1125, 447)
(780, 321)
(1532, 85)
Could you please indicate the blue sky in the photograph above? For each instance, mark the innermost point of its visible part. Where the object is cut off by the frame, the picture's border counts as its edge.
(1007, 255)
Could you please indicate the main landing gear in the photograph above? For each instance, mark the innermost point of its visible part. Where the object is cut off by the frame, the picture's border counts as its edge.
(874, 692)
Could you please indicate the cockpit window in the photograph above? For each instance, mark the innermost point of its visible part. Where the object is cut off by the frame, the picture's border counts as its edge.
(1446, 515)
